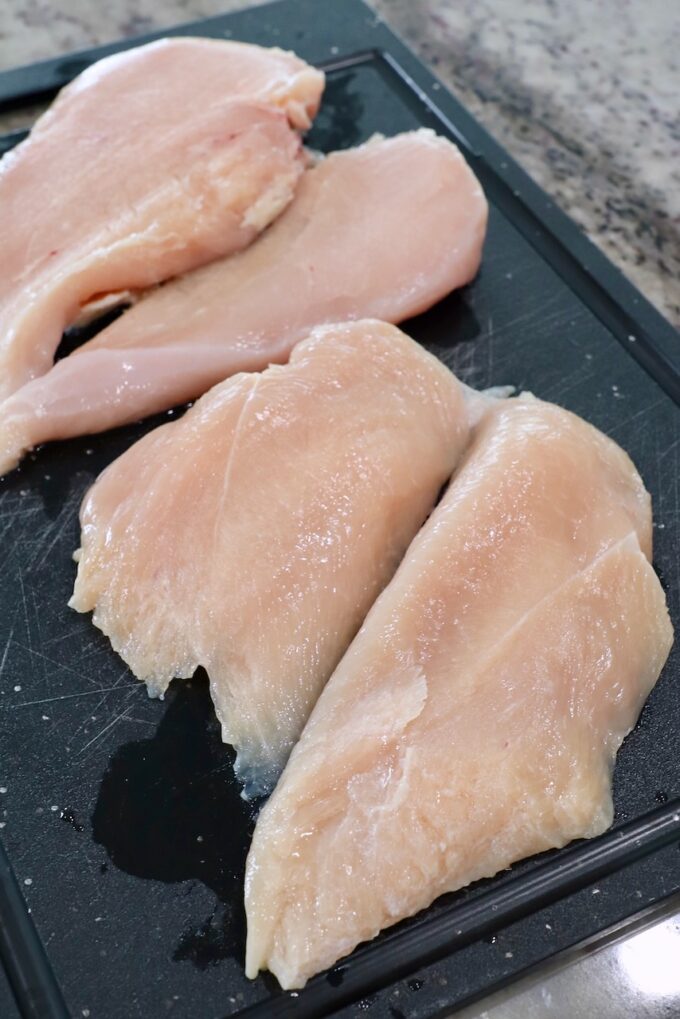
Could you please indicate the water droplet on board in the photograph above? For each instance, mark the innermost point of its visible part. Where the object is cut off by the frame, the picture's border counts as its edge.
(336, 975)
(70, 818)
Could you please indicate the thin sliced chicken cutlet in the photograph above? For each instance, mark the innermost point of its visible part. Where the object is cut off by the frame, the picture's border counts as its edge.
(152, 162)
(251, 536)
(475, 718)
(382, 231)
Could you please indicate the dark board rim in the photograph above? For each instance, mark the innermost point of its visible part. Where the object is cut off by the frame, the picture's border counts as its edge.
(29, 971)
(376, 965)
(657, 350)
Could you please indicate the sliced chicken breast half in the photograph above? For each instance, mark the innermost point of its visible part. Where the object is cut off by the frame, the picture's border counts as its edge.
(150, 163)
(252, 536)
(475, 718)
(381, 231)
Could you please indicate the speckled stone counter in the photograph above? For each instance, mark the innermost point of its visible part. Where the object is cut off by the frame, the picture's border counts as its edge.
(584, 94)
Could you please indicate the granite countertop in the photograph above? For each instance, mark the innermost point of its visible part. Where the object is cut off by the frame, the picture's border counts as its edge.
(584, 96)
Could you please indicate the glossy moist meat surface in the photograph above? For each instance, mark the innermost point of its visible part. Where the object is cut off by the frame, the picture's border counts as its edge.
(475, 718)
(252, 536)
(150, 163)
(381, 231)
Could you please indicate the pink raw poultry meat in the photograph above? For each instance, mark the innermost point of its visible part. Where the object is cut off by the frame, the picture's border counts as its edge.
(475, 719)
(151, 162)
(252, 535)
(382, 231)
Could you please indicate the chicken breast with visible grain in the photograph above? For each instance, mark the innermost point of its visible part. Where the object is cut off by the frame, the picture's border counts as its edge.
(381, 231)
(152, 162)
(251, 536)
(476, 716)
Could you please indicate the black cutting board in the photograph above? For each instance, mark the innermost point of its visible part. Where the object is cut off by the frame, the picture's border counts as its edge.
(123, 813)
(8, 1007)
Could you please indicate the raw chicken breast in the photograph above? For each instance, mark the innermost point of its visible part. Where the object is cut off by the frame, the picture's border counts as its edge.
(475, 719)
(381, 231)
(251, 536)
(150, 163)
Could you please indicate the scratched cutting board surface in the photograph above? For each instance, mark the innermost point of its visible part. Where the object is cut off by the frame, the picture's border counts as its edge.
(120, 814)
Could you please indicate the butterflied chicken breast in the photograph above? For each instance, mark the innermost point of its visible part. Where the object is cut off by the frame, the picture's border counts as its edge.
(475, 718)
(150, 163)
(381, 231)
(251, 536)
